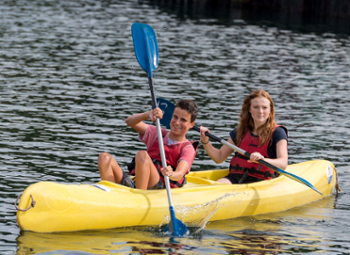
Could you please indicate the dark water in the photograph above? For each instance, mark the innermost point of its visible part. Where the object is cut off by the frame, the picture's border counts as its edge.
(69, 78)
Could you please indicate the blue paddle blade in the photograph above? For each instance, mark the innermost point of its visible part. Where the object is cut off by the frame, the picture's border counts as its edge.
(176, 227)
(168, 109)
(145, 46)
(298, 179)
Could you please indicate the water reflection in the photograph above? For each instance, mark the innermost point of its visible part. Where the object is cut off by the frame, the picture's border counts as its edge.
(254, 243)
(141, 242)
(281, 232)
(147, 247)
(121, 241)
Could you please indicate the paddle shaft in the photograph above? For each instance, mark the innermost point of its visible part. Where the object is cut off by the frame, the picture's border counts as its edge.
(234, 147)
(146, 52)
(160, 140)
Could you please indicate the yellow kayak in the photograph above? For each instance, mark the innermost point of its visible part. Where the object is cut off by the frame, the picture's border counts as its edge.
(55, 207)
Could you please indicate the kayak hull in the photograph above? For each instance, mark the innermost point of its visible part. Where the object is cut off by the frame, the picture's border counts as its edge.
(73, 207)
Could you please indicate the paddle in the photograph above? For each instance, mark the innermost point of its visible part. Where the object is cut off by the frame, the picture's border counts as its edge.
(168, 109)
(146, 52)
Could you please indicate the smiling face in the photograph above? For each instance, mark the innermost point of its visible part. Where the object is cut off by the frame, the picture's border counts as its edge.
(260, 110)
(180, 124)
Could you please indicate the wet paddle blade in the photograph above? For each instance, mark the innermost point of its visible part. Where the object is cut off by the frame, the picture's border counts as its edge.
(176, 227)
(145, 46)
(298, 179)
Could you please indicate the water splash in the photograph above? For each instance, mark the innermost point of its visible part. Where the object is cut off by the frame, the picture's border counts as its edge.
(199, 215)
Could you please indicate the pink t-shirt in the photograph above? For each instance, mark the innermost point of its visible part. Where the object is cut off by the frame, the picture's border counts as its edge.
(187, 153)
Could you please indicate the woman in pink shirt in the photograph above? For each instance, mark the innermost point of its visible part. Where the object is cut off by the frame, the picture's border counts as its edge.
(146, 166)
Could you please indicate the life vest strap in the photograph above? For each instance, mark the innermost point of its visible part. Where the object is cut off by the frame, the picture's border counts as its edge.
(252, 170)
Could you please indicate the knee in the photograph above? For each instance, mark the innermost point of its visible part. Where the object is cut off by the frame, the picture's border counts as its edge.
(104, 157)
(141, 156)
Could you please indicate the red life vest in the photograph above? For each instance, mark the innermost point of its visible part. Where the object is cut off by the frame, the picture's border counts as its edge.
(239, 163)
(172, 155)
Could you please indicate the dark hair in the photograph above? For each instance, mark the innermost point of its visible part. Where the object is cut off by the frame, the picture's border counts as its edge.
(189, 106)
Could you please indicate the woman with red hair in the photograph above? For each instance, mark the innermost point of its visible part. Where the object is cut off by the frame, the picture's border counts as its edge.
(258, 134)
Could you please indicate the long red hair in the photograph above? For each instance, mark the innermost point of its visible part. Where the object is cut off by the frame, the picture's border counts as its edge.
(247, 123)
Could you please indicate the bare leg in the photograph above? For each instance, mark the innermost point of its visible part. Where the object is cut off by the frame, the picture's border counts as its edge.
(109, 168)
(224, 180)
(146, 174)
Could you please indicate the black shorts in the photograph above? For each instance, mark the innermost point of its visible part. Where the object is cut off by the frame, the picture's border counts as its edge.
(234, 178)
(159, 185)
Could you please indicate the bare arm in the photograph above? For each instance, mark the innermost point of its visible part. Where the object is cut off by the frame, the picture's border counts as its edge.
(179, 172)
(218, 155)
(136, 120)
